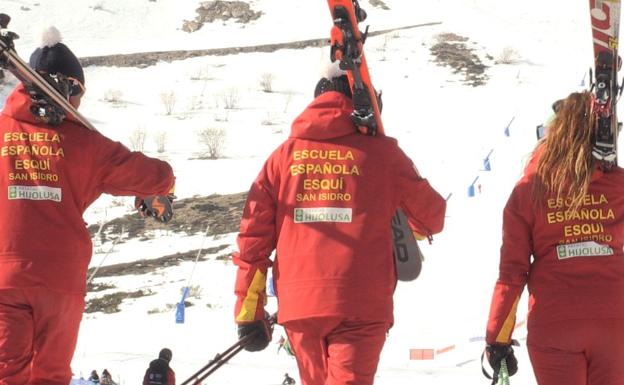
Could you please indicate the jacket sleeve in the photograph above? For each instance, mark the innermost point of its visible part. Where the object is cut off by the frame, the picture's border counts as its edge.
(125, 172)
(423, 206)
(171, 377)
(256, 242)
(515, 261)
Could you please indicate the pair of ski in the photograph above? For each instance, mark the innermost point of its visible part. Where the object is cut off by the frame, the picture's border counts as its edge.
(605, 23)
(347, 47)
(51, 107)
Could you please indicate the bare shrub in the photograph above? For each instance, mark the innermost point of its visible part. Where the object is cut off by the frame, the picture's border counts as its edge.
(508, 55)
(168, 99)
(194, 103)
(268, 119)
(224, 117)
(201, 73)
(161, 141)
(113, 96)
(214, 140)
(230, 98)
(383, 48)
(137, 139)
(98, 6)
(168, 307)
(194, 291)
(266, 82)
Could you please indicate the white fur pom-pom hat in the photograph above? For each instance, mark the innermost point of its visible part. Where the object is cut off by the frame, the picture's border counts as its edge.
(54, 57)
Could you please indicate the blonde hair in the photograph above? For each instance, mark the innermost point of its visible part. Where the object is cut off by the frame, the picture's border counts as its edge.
(565, 163)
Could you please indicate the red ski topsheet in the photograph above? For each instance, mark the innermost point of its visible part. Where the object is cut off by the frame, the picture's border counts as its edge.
(605, 21)
(337, 37)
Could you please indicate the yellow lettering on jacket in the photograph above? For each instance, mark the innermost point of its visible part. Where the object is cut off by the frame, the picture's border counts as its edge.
(31, 137)
(323, 155)
(33, 150)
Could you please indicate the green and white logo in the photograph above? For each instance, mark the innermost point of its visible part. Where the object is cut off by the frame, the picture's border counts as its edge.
(298, 215)
(35, 193)
(583, 249)
(323, 214)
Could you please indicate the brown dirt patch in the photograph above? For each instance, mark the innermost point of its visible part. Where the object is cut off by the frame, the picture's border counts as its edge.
(145, 266)
(221, 212)
(452, 50)
(210, 11)
(109, 303)
(146, 59)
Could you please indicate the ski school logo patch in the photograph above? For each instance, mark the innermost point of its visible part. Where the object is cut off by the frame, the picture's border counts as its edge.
(583, 249)
(323, 214)
(35, 193)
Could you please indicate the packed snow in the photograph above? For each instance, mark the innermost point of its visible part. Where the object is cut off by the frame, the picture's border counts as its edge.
(446, 126)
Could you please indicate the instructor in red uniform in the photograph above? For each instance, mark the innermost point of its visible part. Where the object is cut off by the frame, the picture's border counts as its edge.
(324, 201)
(563, 233)
(48, 178)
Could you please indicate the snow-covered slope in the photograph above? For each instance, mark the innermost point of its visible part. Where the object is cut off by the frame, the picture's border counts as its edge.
(446, 126)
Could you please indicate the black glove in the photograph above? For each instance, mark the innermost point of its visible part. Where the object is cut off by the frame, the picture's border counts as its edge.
(156, 206)
(262, 330)
(497, 352)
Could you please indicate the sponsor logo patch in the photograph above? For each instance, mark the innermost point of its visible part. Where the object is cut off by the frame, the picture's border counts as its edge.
(35, 193)
(583, 249)
(323, 214)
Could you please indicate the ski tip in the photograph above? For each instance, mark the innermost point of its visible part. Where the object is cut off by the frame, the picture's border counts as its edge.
(50, 36)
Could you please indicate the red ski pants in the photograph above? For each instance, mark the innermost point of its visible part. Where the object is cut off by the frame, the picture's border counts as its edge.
(578, 352)
(337, 351)
(38, 333)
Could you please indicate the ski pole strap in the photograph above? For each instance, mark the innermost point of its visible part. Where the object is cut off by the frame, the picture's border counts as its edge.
(487, 375)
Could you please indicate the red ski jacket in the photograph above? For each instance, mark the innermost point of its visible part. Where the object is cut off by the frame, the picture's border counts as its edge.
(573, 263)
(48, 178)
(324, 200)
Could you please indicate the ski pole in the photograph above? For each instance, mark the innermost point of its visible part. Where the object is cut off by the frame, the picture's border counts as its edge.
(503, 374)
(201, 248)
(187, 288)
(105, 255)
(217, 362)
(222, 358)
(500, 377)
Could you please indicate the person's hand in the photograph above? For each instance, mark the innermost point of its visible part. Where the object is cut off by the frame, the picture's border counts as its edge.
(496, 353)
(156, 206)
(258, 332)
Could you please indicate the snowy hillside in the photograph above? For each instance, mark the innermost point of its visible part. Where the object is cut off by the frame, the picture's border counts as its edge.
(443, 122)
